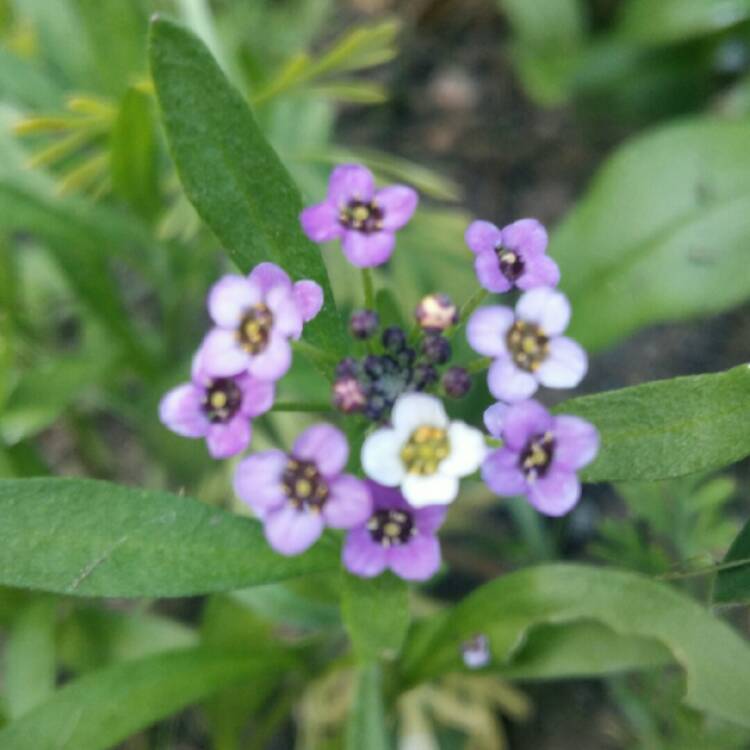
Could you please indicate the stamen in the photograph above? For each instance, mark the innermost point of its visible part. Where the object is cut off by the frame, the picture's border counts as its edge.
(304, 485)
(255, 329)
(222, 400)
(362, 217)
(528, 345)
(511, 263)
(391, 528)
(425, 449)
(536, 457)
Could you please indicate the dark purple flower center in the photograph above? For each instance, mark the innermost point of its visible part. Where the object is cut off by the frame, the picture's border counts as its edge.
(510, 262)
(536, 457)
(391, 528)
(304, 485)
(528, 345)
(362, 217)
(255, 328)
(222, 400)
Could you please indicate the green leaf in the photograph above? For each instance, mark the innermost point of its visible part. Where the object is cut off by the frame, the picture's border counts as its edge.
(715, 659)
(103, 708)
(90, 538)
(668, 428)
(732, 585)
(376, 614)
(365, 729)
(662, 232)
(230, 173)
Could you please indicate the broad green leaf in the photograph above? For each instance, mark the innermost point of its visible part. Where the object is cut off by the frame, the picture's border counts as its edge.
(376, 614)
(365, 728)
(21, 82)
(668, 428)
(732, 585)
(91, 538)
(230, 173)
(715, 659)
(662, 232)
(103, 708)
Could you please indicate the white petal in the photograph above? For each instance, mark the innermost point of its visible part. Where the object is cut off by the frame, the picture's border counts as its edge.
(547, 308)
(381, 459)
(565, 366)
(437, 489)
(467, 450)
(413, 410)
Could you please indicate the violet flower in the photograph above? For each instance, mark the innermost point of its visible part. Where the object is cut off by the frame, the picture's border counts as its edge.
(255, 317)
(297, 495)
(540, 455)
(396, 536)
(217, 409)
(365, 219)
(527, 346)
(511, 257)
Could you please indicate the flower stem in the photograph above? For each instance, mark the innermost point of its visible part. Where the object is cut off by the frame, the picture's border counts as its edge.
(369, 289)
(466, 310)
(477, 365)
(308, 406)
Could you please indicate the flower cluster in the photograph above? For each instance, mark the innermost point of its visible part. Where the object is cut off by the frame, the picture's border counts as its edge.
(416, 456)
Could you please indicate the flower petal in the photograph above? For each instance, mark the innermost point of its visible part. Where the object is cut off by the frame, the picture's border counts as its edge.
(507, 383)
(321, 222)
(487, 328)
(523, 421)
(257, 395)
(349, 503)
(367, 250)
(527, 235)
(324, 445)
(436, 489)
(489, 274)
(274, 361)
(228, 299)
(350, 182)
(225, 440)
(576, 442)
(483, 237)
(416, 561)
(287, 318)
(413, 410)
(309, 298)
(501, 472)
(398, 204)
(257, 480)
(181, 410)
(565, 365)
(362, 556)
(547, 308)
(268, 275)
(539, 271)
(555, 493)
(467, 450)
(291, 531)
(381, 458)
(221, 354)
(428, 519)
(494, 416)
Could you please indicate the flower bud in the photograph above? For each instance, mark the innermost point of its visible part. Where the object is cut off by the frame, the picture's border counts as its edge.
(476, 652)
(436, 349)
(348, 395)
(394, 339)
(425, 375)
(436, 312)
(363, 324)
(456, 382)
(348, 367)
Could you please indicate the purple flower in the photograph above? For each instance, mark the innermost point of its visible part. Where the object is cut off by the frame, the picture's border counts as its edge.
(511, 257)
(540, 455)
(218, 409)
(255, 317)
(363, 218)
(527, 346)
(297, 495)
(396, 536)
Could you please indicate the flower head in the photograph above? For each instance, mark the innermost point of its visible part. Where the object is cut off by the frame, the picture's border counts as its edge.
(423, 452)
(527, 346)
(255, 316)
(511, 257)
(298, 494)
(397, 536)
(540, 455)
(217, 409)
(365, 219)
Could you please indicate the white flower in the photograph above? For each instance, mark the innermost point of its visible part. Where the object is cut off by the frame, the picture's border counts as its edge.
(423, 452)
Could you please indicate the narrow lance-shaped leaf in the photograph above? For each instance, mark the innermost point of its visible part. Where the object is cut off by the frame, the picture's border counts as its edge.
(732, 584)
(90, 538)
(365, 729)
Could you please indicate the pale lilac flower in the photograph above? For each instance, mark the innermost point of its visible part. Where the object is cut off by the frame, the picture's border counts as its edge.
(217, 409)
(255, 317)
(540, 455)
(475, 651)
(511, 257)
(527, 346)
(365, 219)
(396, 536)
(298, 494)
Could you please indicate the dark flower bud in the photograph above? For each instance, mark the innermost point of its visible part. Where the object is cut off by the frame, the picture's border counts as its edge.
(348, 367)
(436, 349)
(363, 324)
(374, 366)
(456, 382)
(394, 339)
(436, 312)
(424, 376)
(406, 358)
(348, 395)
(376, 406)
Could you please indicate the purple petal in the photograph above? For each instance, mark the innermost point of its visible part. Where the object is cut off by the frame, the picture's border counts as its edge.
(225, 440)
(487, 328)
(350, 182)
(507, 383)
(291, 531)
(387, 497)
(222, 356)
(488, 273)
(539, 271)
(527, 235)
(501, 472)
(367, 250)
(349, 503)
(430, 518)
(257, 481)
(181, 410)
(321, 222)
(565, 365)
(576, 442)
(416, 561)
(274, 361)
(257, 395)
(228, 299)
(547, 308)
(309, 298)
(483, 237)
(523, 421)
(268, 275)
(555, 493)
(398, 204)
(287, 318)
(494, 416)
(325, 445)
(362, 556)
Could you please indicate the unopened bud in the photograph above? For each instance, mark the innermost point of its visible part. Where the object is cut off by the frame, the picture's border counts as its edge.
(436, 312)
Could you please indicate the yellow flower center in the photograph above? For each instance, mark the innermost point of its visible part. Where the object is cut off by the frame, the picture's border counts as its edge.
(528, 345)
(255, 328)
(425, 449)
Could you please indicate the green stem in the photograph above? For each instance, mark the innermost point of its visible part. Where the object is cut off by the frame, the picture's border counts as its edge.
(478, 365)
(466, 310)
(301, 406)
(369, 289)
(704, 571)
